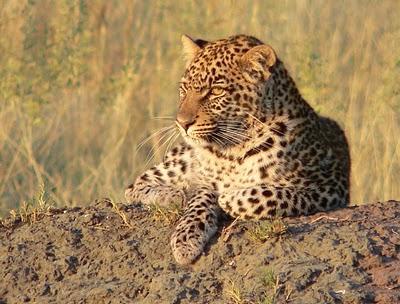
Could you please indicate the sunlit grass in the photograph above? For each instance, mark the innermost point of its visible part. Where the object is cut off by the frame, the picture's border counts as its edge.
(30, 211)
(264, 230)
(80, 80)
(269, 282)
(233, 292)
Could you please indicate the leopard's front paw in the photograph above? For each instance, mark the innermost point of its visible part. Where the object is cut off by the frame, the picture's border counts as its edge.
(176, 196)
(192, 234)
(188, 243)
(160, 195)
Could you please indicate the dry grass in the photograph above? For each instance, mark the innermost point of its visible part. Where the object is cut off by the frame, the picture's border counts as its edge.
(30, 211)
(81, 80)
(269, 282)
(233, 292)
(121, 214)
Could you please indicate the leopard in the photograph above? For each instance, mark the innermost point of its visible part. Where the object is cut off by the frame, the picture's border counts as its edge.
(252, 148)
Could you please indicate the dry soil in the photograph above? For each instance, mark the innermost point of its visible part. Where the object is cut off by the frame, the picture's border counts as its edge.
(90, 255)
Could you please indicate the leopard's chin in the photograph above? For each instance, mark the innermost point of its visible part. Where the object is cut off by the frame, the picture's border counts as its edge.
(205, 141)
(194, 141)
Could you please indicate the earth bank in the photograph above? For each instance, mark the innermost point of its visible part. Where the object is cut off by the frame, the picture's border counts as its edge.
(108, 254)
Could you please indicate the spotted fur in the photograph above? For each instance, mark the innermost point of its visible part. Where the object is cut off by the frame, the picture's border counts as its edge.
(253, 147)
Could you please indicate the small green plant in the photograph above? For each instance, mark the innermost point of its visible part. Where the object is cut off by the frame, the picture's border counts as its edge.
(269, 278)
(269, 281)
(267, 229)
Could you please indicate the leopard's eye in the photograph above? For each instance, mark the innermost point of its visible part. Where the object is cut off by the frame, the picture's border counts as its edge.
(217, 91)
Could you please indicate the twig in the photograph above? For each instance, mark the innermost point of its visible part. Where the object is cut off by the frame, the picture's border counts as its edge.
(226, 232)
(122, 215)
(329, 218)
(288, 295)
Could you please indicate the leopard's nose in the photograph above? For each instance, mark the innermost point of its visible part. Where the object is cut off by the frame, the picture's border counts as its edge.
(185, 121)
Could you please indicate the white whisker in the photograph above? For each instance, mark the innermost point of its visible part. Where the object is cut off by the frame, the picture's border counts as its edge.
(163, 117)
(156, 146)
(162, 130)
(172, 139)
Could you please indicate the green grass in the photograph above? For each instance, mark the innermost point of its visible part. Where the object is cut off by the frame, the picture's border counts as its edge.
(269, 282)
(264, 230)
(81, 80)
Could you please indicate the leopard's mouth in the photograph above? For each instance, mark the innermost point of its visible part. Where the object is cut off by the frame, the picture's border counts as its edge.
(222, 135)
(191, 135)
(215, 138)
(201, 134)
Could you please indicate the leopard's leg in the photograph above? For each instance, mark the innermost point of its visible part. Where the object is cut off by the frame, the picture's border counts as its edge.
(261, 202)
(198, 224)
(163, 184)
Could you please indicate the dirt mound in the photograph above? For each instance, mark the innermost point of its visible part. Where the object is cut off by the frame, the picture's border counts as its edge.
(98, 255)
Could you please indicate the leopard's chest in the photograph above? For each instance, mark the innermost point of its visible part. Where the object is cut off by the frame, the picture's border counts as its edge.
(222, 174)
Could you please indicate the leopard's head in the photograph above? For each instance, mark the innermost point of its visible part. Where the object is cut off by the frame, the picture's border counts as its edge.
(225, 89)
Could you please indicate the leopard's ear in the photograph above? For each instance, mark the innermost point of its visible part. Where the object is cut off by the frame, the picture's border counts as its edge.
(191, 47)
(255, 64)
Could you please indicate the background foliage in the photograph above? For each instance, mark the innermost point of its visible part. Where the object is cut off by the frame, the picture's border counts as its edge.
(81, 80)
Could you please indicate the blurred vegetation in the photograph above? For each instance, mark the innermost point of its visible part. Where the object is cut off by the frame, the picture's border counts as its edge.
(81, 80)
